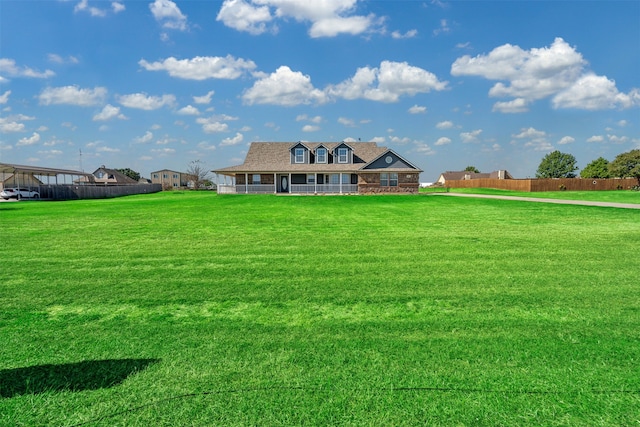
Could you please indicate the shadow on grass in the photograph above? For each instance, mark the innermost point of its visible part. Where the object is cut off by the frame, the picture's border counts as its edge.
(80, 376)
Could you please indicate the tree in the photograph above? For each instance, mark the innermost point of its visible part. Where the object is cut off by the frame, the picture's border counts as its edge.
(626, 165)
(598, 168)
(130, 173)
(557, 165)
(471, 169)
(197, 173)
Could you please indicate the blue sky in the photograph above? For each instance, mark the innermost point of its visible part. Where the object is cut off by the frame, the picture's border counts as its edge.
(149, 85)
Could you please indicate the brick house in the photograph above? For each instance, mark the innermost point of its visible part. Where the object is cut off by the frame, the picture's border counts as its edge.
(320, 168)
(169, 179)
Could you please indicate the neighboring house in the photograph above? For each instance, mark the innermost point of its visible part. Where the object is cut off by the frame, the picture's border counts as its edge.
(464, 175)
(320, 167)
(169, 178)
(106, 176)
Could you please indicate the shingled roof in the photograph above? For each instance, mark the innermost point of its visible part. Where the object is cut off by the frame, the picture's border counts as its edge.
(273, 157)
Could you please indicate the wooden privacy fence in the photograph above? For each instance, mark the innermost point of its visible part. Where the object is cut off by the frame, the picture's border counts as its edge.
(74, 192)
(546, 184)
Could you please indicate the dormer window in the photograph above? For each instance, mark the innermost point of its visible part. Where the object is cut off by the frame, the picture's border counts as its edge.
(299, 155)
(321, 155)
(343, 155)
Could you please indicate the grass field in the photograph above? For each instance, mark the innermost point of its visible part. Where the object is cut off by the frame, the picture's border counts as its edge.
(623, 196)
(191, 309)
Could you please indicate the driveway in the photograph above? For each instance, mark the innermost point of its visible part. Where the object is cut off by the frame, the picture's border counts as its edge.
(538, 199)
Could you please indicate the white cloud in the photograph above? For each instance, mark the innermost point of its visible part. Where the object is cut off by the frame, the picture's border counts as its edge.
(9, 68)
(408, 35)
(443, 141)
(4, 98)
(566, 140)
(144, 102)
(443, 29)
(204, 99)
(423, 148)
(387, 83)
(117, 7)
(310, 128)
(109, 112)
(72, 95)
(7, 126)
(104, 149)
(469, 137)
(555, 71)
(284, 87)
(189, 110)
(147, 137)
(622, 123)
(401, 141)
(235, 140)
(536, 139)
(83, 6)
(212, 125)
(592, 92)
(243, 16)
(379, 139)
(417, 109)
(33, 139)
(444, 125)
(57, 59)
(169, 15)
(201, 67)
(518, 105)
(328, 18)
(614, 139)
(305, 118)
(346, 122)
(163, 152)
(596, 138)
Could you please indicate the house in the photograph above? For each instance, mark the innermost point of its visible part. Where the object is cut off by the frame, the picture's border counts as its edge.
(9, 179)
(169, 179)
(464, 175)
(106, 176)
(320, 168)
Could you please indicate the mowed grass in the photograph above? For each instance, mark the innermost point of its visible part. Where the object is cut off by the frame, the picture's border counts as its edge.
(621, 196)
(191, 309)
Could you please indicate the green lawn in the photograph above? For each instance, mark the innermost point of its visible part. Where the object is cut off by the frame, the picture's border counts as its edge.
(622, 196)
(192, 309)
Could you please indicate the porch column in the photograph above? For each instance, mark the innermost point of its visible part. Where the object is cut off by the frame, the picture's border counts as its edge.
(340, 182)
(275, 183)
(315, 183)
(246, 183)
(289, 182)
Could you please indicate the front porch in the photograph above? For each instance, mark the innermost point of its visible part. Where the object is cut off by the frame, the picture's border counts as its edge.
(292, 189)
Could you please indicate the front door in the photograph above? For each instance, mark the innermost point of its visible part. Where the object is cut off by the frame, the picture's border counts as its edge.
(283, 183)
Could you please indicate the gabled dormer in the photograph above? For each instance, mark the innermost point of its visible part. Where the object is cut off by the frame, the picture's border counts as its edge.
(321, 154)
(343, 154)
(389, 160)
(300, 154)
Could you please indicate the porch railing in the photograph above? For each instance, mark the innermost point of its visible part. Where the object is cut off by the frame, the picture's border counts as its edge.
(324, 188)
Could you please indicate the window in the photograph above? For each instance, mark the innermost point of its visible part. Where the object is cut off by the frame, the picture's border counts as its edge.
(334, 178)
(175, 176)
(343, 155)
(346, 178)
(311, 178)
(256, 179)
(299, 155)
(165, 176)
(388, 180)
(321, 155)
(155, 175)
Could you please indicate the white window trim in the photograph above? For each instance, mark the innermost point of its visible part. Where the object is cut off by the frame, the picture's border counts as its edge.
(324, 150)
(346, 155)
(295, 155)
